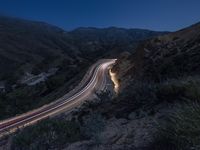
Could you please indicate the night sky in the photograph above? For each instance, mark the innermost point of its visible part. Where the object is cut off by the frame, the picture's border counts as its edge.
(168, 15)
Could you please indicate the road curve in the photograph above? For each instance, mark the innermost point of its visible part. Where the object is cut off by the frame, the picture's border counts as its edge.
(95, 79)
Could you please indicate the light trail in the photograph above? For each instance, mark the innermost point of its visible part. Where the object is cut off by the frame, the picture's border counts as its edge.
(95, 79)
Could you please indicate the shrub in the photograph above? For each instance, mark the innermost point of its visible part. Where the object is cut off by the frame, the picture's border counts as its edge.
(92, 126)
(139, 95)
(182, 89)
(171, 91)
(47, 134)
(180, 130)
(145, 95)
(102, 98)
(193, 89)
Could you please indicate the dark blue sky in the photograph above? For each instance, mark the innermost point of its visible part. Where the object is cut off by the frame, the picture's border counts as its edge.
(69, 14)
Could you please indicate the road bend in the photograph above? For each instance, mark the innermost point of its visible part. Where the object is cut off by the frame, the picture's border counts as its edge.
(95, 79)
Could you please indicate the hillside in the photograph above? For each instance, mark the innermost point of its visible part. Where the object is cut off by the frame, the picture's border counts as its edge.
(169, 56)
(38, 64)
(157, 107)
(41, 62)
(160, 82)
(27, 45)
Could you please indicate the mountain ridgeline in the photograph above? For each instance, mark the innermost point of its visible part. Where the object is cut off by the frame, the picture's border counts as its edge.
(34, 47)
(110, 41)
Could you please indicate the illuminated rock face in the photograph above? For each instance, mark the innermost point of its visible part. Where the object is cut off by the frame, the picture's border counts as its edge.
(114, 80)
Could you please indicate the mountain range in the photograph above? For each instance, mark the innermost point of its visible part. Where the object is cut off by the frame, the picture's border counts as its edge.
(157, 107)
(34, 47)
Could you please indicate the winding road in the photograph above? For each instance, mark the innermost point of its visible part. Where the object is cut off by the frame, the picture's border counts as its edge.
(95, 79)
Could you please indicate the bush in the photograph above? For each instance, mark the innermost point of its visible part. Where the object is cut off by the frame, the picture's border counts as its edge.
(180, 130)
(92, 126)
(55, 82)
(139, 95)
(21, 100)
(102, 98)
(47, 134)
(193, 89)
(182, 89)
(171, 91)
(146, 95)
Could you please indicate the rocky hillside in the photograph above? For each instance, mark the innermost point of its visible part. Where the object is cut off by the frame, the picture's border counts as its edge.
(168, 56)
(160, 83)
